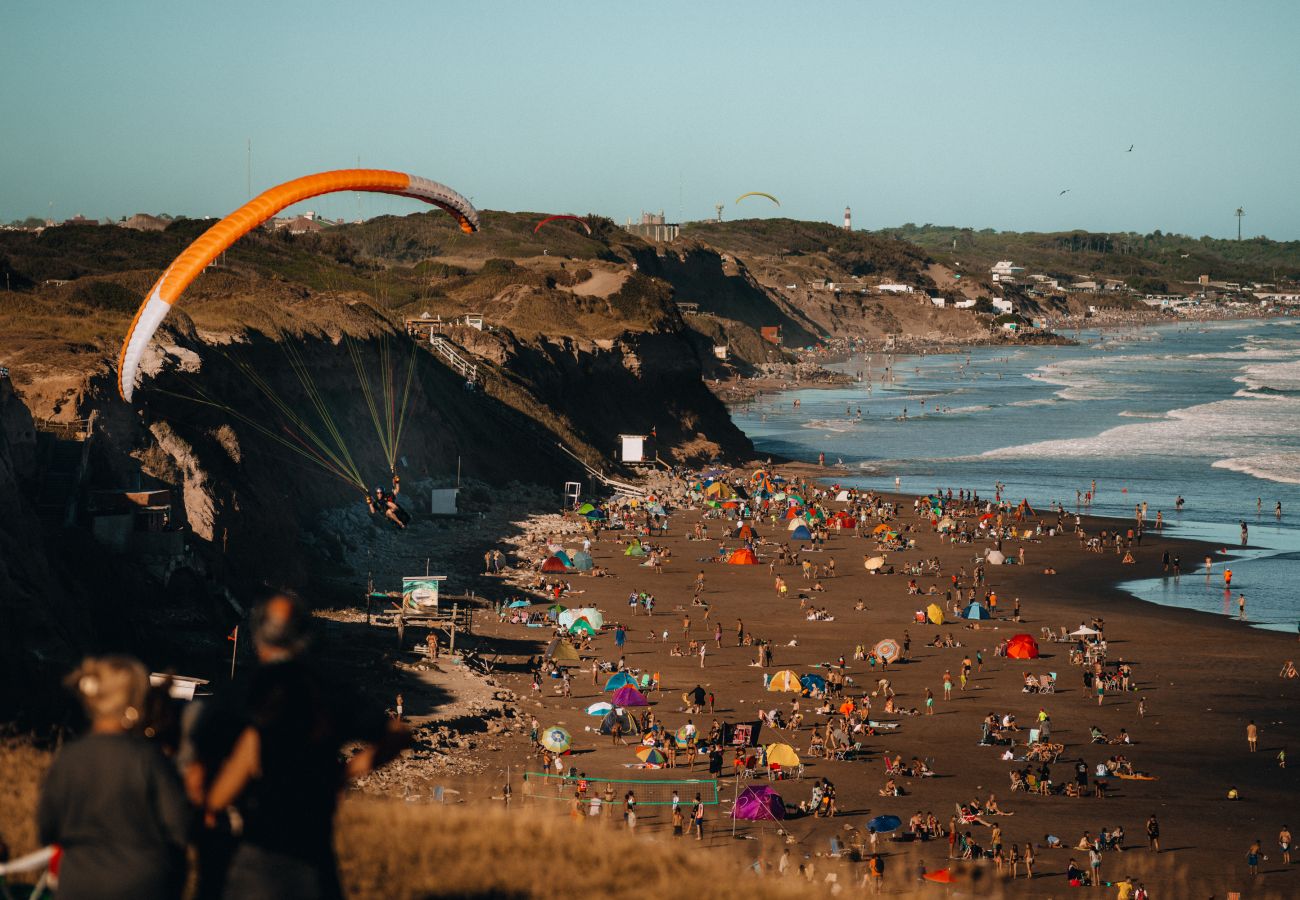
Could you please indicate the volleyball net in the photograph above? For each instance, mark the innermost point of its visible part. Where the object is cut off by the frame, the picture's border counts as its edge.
(648, 791)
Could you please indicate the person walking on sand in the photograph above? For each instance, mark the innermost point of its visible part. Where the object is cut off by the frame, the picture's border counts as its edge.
(1252, 735)
(947, 685)
(1284, 844)
(704, 648)
(876, 872)
(1153, 834)
(1252, 857)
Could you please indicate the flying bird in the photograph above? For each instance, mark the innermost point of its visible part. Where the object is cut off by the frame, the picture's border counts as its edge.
(1130, 148)
(1064, 192)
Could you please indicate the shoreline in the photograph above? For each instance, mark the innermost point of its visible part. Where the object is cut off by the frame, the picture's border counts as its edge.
(1191, 737)
(1166, 644)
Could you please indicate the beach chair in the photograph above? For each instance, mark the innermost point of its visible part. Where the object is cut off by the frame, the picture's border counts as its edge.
(837, 850)
(45, 861)
(1033, 736)
(1046, 684)
(1048, 635)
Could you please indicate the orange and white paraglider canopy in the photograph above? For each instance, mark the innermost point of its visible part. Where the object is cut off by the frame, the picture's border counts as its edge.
(212, 243)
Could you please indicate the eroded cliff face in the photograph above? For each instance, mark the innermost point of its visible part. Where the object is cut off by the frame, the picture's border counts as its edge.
(635, 383)
(39, 602)
(228, 427)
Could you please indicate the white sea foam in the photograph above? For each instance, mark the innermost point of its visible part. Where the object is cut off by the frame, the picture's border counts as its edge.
(836, 425)
(1139, 414)
(959, 410)
(1280, 376)
(1239, 428)
(1283, 467)
(1094, 379)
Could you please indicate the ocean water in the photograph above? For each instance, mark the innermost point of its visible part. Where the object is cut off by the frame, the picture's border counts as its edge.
(1210, 412)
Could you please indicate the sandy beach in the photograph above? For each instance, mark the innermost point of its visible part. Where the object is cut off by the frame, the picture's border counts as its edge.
(1201, 679)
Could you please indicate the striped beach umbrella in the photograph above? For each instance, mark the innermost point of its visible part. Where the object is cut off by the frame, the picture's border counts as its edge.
(650, 756)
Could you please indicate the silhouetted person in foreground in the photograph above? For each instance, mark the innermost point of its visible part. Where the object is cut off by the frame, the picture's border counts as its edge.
(112, 801)
(284, 774)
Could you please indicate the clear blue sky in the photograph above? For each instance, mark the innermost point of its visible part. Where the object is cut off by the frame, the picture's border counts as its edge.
(947, 112)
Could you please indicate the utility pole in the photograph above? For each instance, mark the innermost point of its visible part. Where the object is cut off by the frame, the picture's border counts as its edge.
(718, 207)
(1240, 212)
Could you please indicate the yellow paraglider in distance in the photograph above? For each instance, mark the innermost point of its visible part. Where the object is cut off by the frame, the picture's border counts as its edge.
(758, 194)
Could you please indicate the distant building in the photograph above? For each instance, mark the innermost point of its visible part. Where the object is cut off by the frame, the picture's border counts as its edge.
(307, 223)
(654, 227)
(771, 334)
(1279, 296)
(79, 219)
(1005, 270)
(940, 302)
(1002, 306)
(144, 222)
(895, 288)
(848, 219)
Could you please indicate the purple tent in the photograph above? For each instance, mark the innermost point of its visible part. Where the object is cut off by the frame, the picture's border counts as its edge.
(629, 696)
(759, 802)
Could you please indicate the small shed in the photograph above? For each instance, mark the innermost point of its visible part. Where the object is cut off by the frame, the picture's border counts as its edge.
(442, 501)
(635, 448)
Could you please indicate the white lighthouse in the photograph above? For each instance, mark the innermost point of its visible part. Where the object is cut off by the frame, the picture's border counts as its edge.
(848, 219)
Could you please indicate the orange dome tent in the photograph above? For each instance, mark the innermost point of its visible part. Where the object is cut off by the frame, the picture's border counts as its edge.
(742, 557)
(1022, 646)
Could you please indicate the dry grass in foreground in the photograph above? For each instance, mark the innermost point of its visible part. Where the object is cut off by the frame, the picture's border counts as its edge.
(393, 849)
